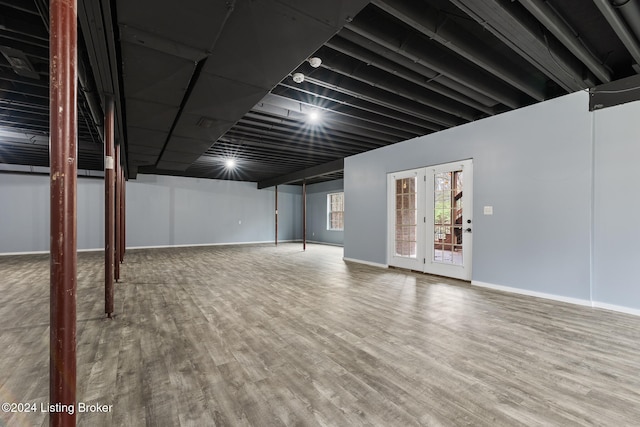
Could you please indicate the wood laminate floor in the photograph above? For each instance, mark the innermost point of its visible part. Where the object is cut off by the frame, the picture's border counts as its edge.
(265, 336)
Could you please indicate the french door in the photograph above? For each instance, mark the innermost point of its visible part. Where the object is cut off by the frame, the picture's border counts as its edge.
(429, 211)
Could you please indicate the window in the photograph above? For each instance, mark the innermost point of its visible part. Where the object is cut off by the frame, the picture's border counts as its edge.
(335, 211)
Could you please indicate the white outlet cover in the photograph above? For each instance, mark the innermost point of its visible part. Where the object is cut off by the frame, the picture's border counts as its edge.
(488, 210)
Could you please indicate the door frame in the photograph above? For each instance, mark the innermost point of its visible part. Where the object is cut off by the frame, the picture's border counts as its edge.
(416, 263)
(462, 272)
(423, 261)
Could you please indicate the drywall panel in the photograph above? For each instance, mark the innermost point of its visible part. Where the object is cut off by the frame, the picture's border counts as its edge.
(616, 206)
(24, 213)
(161, 211)
(532, 165)
(168, 210)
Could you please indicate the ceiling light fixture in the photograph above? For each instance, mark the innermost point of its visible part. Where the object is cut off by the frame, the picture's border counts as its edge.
(315, 62)
(314, 116)
(298, 77)
(230, 163)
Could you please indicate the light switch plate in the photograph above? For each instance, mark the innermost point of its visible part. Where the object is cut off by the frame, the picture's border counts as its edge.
(488, 210)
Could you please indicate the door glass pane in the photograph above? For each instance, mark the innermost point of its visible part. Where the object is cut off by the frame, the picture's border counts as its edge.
(406, 217)
(447, 217)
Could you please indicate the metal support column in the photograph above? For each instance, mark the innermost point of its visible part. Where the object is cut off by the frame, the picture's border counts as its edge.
(109, 204)
(116, 247)
(304, 215)
(276, 215)
(63, 93)
(123, 183)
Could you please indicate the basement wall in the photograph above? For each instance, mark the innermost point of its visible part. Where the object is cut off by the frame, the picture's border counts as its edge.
(562, 186)
(161, 211)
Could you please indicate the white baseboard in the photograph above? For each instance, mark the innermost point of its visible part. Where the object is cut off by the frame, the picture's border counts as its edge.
(192, 245)
(46, 252)
(24, 253)
(618, 308)
(157, 247)
(577, 301)
(324, 243)
(520, 291)
(359, 261)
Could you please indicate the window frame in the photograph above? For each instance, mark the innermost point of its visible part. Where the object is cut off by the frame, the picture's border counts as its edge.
(330, 211)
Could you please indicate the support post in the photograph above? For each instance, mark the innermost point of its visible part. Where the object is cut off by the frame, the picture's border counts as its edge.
(276, 215)
(109, 204)
(304, 215)
(123, 183)
(63, 92)
(116, 247)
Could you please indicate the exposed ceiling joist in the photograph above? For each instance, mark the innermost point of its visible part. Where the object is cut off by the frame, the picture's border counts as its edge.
(324, 169)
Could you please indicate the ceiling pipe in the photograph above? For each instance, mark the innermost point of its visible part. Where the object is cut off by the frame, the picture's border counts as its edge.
(520, 33)
(91, 95)
(630, 10)
(374, 77)
(552, 22)
(429, 74)
(87, 87)
(370, 58)
(426, 20)
(620, 28)
(413, 47)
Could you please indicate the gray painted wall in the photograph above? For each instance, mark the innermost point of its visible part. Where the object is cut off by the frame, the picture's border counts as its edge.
(166, 210)
(533, 165)
(24, 213)
(317, 212)
(616, 252)
(161, 211)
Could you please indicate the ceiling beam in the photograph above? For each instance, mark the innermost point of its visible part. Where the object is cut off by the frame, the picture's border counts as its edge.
(620, 28)
(521, 32)
(406, 70)
(312, 172)
(429, 21)
(409, 63)
(412, 46)
(558, 27)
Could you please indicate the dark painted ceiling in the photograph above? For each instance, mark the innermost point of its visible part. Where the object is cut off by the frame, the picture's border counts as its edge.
(198, 82)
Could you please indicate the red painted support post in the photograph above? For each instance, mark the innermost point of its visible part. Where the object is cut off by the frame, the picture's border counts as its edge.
(109, 184)
(276, 215)
(122, 210)
(63, 92)
(124, 216)
(116, 247)
(304, 215)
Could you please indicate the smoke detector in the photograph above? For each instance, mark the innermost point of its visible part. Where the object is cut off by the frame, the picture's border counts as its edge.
(315, 62)
(298, 77)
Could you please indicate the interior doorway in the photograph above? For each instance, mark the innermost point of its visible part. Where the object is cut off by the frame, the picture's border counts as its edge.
(430, 224)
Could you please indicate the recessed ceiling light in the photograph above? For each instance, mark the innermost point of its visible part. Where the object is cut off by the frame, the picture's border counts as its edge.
(230, 163)
(314, 116)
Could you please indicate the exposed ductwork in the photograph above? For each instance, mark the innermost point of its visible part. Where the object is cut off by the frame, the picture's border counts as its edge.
(414, 48)
(523, 36)
(554, 23)
(429, 22)
(630, 10)
(620, 28)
